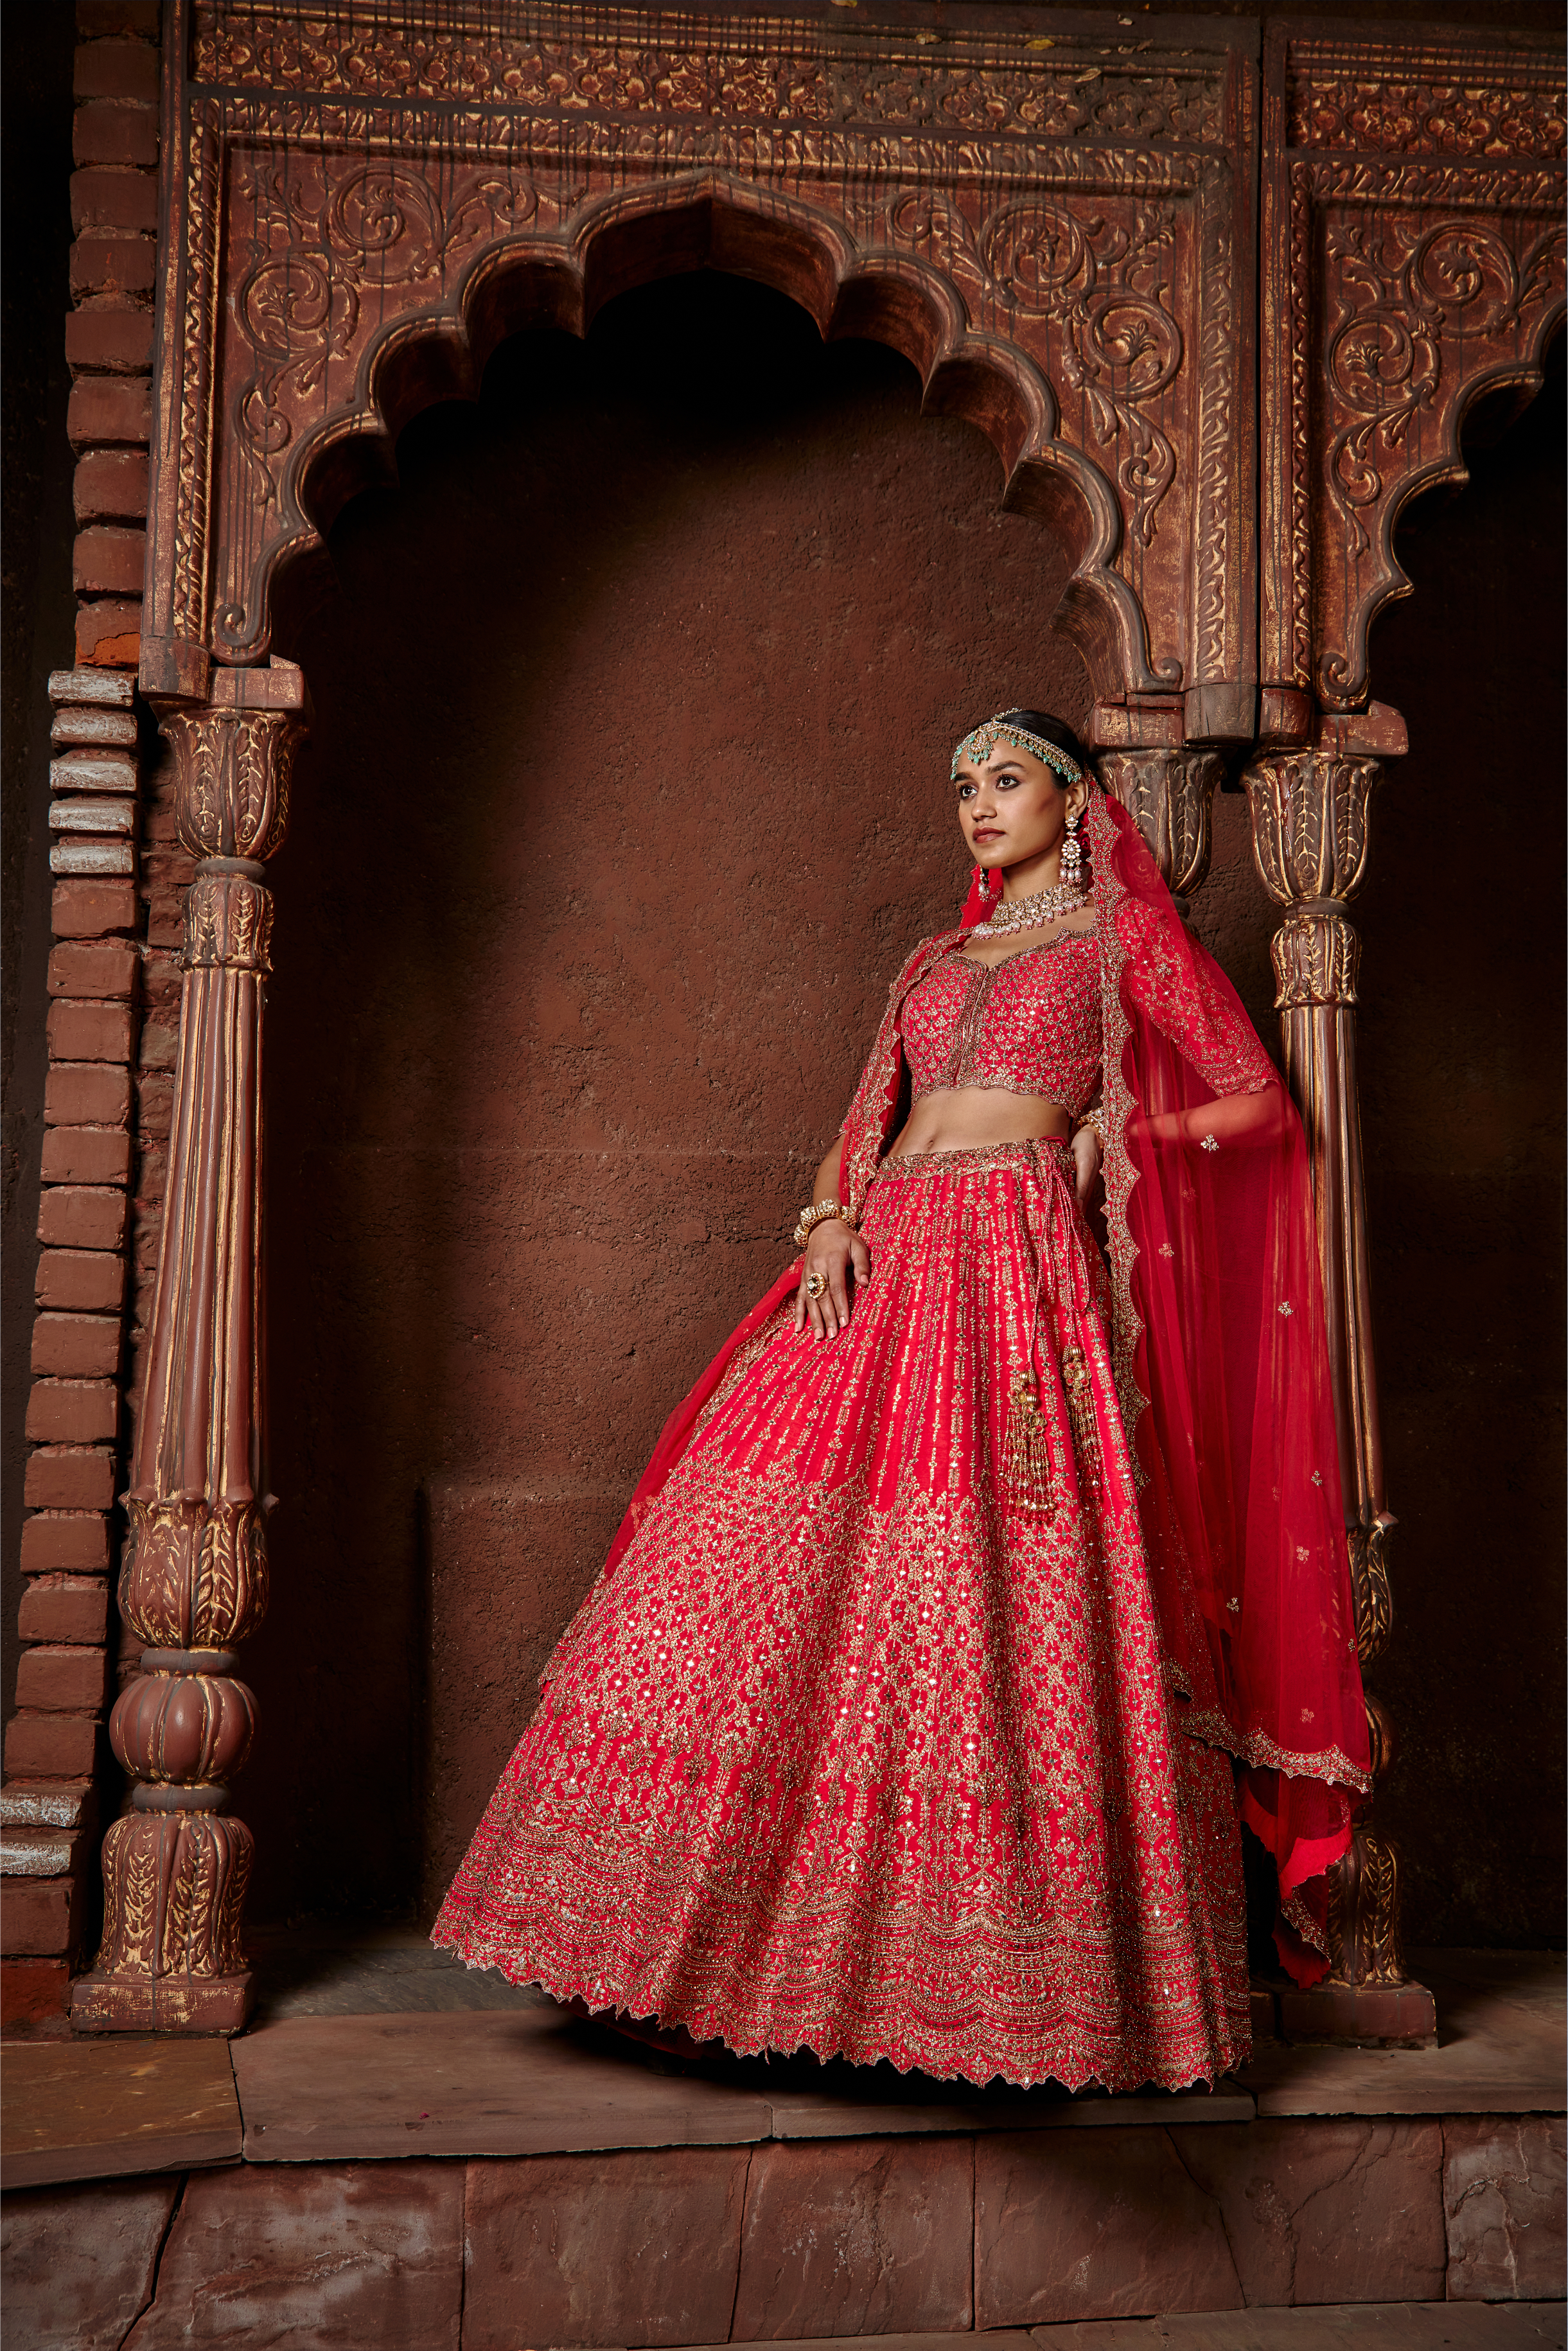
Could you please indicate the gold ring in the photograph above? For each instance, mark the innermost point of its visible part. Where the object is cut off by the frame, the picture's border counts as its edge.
(816, 1285)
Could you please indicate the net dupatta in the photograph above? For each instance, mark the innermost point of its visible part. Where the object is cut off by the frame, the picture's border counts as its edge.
(1221, 1363)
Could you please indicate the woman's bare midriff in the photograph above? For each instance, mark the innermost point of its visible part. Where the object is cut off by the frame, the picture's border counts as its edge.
(969, 1118)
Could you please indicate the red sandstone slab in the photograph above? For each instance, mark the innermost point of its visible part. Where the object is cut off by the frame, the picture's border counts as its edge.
(1341, 2327)
(1504, 2204)
(516, 2082)
(639, 2246)
(823, 2114)
(857, 2236)
(79, 2261)
(364, 2256)
(97, 2109)
(1501, 2048)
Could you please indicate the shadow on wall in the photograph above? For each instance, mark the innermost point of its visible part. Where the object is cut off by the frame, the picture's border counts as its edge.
(626, 794)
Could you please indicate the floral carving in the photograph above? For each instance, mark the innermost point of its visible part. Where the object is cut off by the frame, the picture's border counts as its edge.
(1088, 92)
(232, 775)
(1380, 112)
(1170, 796)
(1103, 285)
(173, 1891)
(193, 1576)
(1316, 960)
(228, 923)
(1310, 813)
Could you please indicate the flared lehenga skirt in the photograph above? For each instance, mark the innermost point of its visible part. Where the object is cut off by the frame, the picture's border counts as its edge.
(867, 1745)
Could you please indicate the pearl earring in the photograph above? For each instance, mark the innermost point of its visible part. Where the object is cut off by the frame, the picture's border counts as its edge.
(1071, 854)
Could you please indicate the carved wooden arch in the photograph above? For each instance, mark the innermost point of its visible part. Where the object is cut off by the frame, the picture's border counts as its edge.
(1054, 235)
(527, 280)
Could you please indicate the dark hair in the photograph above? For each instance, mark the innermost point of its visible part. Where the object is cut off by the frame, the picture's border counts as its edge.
(1054, 730)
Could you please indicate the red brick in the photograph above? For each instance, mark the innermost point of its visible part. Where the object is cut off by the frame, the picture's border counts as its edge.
(105, 264)
(75, 1347)
(110, 482)
(109, 631)
(126, 69)
(69, 1477)
(33, 1991)
(86, 1093)
(72, 1543)
(91, 686)
(108, 560)
(86, 1154)
(61, 1680)
(40, 1913)
(73, 1412)
(159, 1045)
(104, 19)
(64, 1608)
(89, 1032)
(104, 132)
(112, 337)
(82, 1217)
(48, 1747)
(87, 910)
(81, 1281)
(92, 968)
(106, 408)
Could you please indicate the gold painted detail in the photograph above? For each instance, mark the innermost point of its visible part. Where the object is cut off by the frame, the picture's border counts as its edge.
(1316, 960)
(1404, 101)
(232, 772)
(1363, 1935)
(1170, 797)
(193, 1576)
(1374, 1592)
(228, 923)
(803, 72)
(173, 1890)
(1310, 813)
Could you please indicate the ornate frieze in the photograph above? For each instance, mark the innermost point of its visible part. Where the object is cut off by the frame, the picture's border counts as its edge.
(1047, 224)
(1412, 238)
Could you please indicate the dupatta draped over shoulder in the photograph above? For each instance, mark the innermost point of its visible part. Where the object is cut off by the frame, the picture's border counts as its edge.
(1220, 1361)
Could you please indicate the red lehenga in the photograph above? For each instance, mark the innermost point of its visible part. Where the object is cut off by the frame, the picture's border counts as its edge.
(913, 1711)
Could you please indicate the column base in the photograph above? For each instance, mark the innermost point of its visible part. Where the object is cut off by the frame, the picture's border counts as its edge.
(211, 2004)
(1361, 2016)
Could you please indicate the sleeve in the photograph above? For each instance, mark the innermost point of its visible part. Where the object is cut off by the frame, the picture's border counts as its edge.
(1177, 986)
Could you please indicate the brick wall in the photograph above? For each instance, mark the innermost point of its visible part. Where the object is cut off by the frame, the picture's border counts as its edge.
(111, 1026)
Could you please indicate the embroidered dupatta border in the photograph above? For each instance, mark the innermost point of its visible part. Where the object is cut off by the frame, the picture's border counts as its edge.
(1117, 1105)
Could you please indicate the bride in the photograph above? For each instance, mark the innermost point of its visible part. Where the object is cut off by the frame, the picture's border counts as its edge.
(983, 1586)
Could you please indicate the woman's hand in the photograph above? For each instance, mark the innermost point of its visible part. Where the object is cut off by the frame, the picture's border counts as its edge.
(836, 1253)
(1086, 1158)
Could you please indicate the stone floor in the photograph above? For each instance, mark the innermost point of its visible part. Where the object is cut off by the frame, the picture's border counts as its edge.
(402, 2154)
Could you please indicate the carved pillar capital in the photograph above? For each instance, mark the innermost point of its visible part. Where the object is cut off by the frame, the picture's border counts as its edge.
(231, 771)
(1169, 794)
(1316, 960)
(1310, 811)
(228, 923)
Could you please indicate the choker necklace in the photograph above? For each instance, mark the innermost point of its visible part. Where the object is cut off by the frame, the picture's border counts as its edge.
(1028, 914)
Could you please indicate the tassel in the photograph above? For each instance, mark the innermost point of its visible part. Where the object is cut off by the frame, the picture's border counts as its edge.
(1079, 1390)
(1027, 1472)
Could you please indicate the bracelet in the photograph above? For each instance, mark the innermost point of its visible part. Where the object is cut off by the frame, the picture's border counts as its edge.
(819, 1214)
(1094, 1121)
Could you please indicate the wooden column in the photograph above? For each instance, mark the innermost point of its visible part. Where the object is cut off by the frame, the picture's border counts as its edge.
(1170, 796)
(193, 1582)
(1310, 811)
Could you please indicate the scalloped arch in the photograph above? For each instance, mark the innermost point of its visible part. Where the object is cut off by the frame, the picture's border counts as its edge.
(533, 278)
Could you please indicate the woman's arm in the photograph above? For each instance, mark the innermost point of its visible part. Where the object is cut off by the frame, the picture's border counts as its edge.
(833, 1252)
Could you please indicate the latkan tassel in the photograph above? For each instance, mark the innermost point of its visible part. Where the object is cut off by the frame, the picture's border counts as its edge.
(1028, 1474)
(1079, 1389)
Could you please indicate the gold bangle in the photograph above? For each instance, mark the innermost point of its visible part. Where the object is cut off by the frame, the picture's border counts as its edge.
(1093, 1121)
(819, 1213)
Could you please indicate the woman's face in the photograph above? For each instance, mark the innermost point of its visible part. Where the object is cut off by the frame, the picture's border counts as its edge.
(1013, 808)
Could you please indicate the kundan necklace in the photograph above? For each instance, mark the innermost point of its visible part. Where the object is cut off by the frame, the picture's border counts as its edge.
(1028, 914)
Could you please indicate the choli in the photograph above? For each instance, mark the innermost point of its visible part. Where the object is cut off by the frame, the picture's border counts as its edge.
(1029, 1025)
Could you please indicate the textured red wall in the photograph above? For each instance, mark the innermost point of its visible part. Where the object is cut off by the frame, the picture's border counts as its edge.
(625, 796)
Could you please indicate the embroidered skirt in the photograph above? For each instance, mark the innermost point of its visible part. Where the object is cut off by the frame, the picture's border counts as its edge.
(868, 1744)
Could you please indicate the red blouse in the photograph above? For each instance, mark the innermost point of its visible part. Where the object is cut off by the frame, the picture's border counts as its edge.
(1029, 1025)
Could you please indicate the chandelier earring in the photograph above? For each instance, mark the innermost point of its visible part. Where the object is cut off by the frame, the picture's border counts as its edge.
(1071, 852)
(989, 884)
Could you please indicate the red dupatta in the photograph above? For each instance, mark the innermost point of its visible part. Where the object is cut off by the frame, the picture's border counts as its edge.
(1221, 1359)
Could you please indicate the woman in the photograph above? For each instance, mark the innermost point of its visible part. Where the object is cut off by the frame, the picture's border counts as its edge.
(977, 1589)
